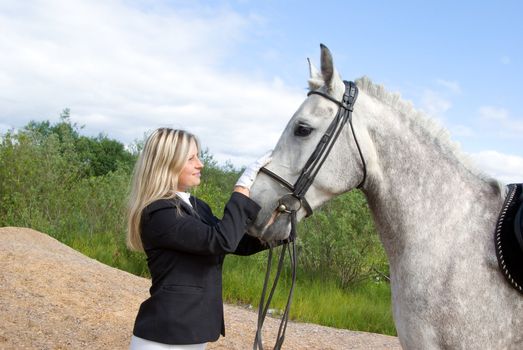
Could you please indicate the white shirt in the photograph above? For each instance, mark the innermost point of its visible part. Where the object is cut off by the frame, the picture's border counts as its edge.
(184, 196)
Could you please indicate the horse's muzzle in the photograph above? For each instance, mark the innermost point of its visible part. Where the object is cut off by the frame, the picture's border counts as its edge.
(273, 228)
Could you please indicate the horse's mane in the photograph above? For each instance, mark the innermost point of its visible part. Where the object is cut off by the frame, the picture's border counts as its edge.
(424, 125)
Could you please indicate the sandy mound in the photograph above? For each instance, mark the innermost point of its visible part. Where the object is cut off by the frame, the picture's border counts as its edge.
(52, 297)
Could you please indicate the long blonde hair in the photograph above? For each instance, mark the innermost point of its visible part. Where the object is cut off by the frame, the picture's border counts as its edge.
(156, 175)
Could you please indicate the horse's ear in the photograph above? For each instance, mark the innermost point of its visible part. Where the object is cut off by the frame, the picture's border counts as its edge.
(316, 79)
(329, 73)
(327, 67)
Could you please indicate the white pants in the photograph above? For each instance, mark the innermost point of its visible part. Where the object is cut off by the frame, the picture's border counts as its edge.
(144, 344)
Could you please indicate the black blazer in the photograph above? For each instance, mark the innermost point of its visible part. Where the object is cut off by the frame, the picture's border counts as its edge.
(185, 250)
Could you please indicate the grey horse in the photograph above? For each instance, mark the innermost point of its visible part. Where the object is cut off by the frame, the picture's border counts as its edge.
(435, 213)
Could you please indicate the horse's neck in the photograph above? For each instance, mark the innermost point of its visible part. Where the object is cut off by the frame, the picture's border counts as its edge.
(421, 193)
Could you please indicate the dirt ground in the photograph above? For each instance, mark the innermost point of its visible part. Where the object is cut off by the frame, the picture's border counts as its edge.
(53, 297)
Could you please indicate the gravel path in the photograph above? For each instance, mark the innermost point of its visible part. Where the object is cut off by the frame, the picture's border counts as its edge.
(53, 297)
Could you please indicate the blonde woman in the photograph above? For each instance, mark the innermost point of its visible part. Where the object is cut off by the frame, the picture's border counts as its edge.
(184, 242)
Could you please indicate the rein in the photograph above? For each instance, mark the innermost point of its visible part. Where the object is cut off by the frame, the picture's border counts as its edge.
(293, 201)
(263, 307)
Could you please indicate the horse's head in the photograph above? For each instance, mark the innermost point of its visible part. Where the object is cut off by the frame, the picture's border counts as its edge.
(341, 170)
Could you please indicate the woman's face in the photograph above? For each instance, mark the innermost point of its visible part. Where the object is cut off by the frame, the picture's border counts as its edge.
(191, 171)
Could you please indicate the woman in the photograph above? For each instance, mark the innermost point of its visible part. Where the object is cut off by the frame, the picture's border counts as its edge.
(184, 242)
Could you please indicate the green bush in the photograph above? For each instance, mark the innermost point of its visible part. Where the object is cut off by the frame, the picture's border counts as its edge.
(340, 241)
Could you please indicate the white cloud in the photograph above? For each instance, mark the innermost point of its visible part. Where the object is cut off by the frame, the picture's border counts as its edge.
(493, 113)
(434, 104)
(452, 86)
(123, 70)
(504, 167)
(505, 125)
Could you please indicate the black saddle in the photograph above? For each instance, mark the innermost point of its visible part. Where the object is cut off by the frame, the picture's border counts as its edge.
(509, 237)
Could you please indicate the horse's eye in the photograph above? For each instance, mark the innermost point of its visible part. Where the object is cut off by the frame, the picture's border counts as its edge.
(302, 130)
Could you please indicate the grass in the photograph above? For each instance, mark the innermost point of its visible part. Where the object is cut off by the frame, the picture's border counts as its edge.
(109, 249)
(317, 299)
(363, 307)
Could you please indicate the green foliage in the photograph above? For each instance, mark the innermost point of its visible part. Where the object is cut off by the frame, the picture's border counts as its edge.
(363, 306)
(94, 156)
(74, 188)
(217, 183)
(103, 155)
(340, 241)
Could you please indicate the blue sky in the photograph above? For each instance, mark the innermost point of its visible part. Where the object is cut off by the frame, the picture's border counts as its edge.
(233, 72)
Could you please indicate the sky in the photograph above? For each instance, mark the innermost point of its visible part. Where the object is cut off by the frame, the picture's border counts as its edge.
(234, 72)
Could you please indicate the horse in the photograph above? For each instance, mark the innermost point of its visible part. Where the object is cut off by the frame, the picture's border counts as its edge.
(434, 211)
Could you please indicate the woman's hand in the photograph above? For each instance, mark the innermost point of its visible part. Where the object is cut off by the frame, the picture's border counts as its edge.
(244, 183)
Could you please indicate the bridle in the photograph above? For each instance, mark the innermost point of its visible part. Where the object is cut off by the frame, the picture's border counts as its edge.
(321, 152)
(293, 201)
